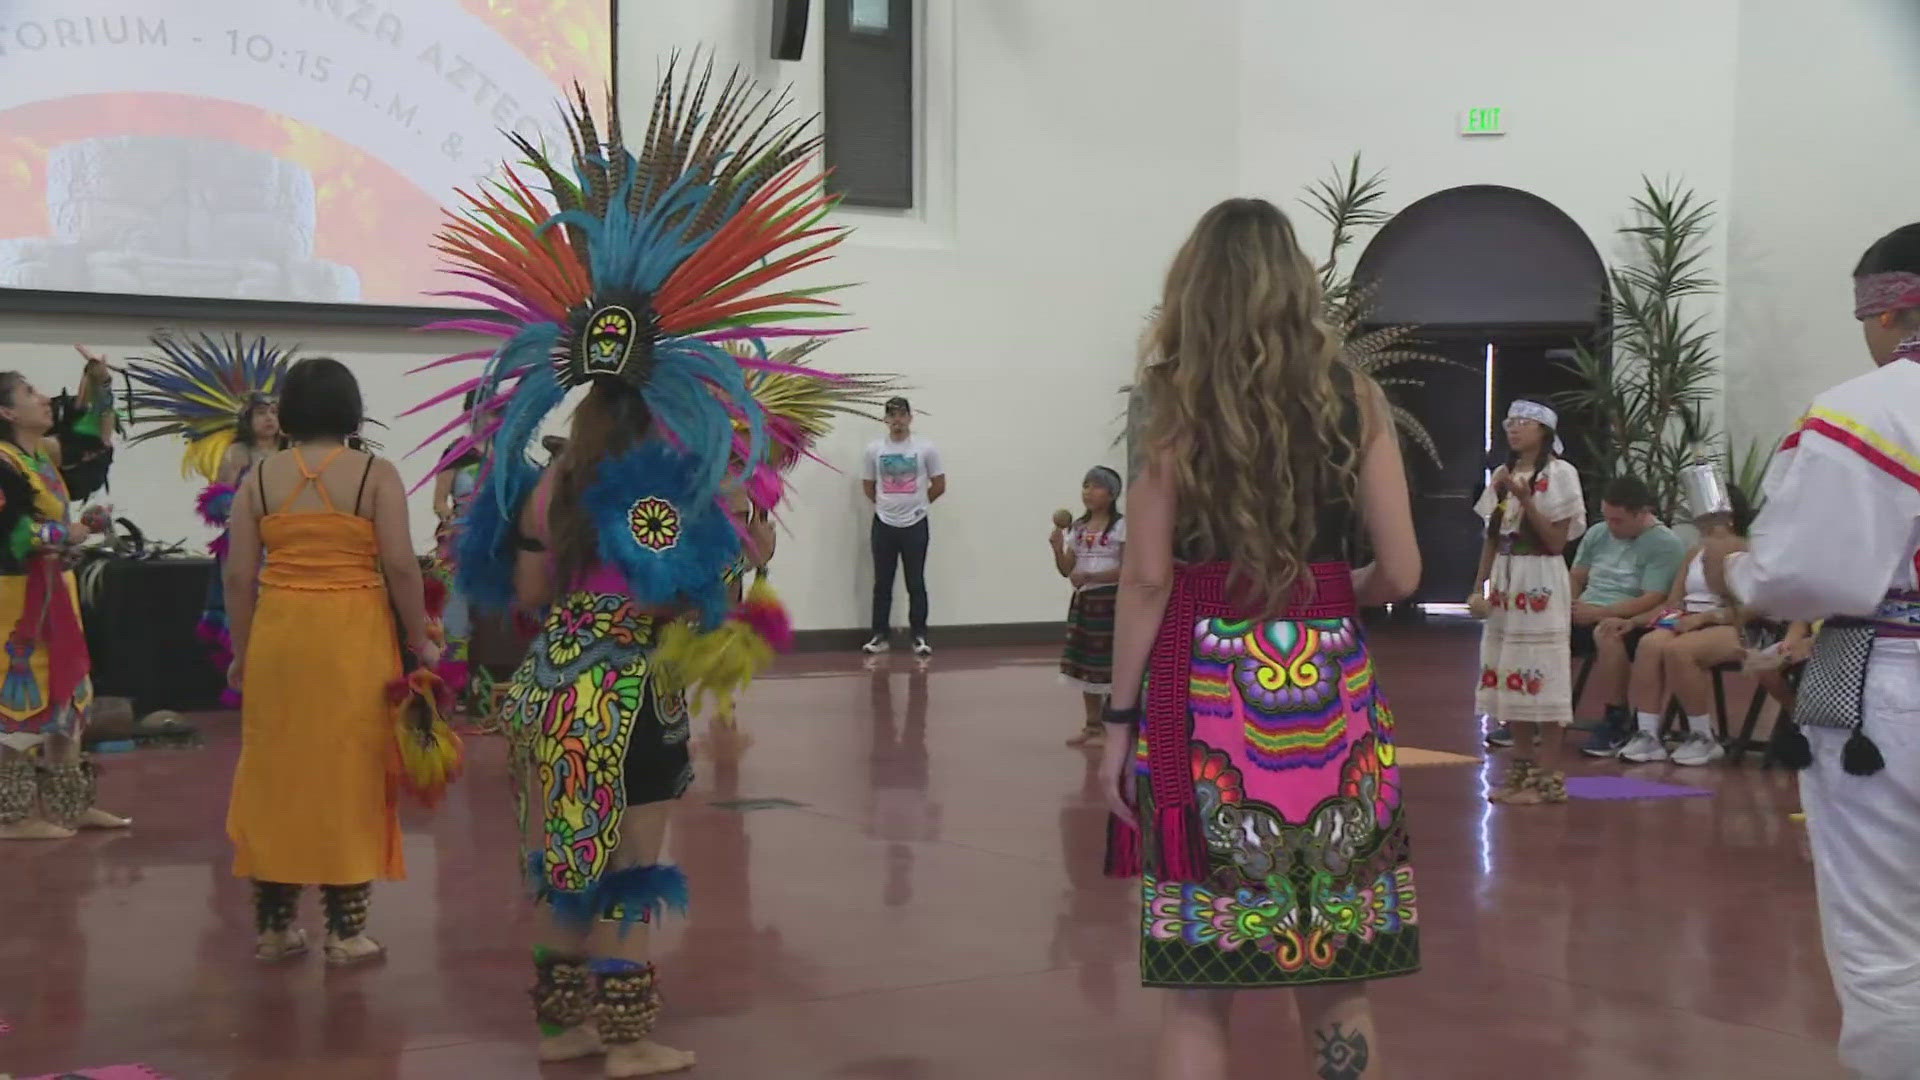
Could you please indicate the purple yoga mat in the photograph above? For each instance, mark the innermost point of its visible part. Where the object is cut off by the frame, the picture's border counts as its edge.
(109, 1072)
(1627, 787)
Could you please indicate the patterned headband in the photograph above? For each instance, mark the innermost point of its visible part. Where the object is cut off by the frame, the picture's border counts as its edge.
(1534, 411)
(1877, 294)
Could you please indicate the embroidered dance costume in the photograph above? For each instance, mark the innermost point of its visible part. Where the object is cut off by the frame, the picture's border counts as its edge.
(202, 389)
(47, 689)
(1525, 647)
(1837, 540)
(1274, 847)
(654, 270)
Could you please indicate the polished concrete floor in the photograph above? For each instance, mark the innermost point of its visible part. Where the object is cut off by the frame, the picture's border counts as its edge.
(907, 888)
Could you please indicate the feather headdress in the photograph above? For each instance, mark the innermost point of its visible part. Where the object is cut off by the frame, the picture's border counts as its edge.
(198, 387)
(660, 266)
(800, 405)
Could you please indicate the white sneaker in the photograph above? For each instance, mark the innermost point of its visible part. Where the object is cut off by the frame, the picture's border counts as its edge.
(1699, 750)
(876, 646)
(921, 648)
(1645, 746)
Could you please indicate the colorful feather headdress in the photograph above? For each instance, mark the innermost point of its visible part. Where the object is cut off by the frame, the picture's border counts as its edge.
(800, 406)
(198, 387)
(660, 267)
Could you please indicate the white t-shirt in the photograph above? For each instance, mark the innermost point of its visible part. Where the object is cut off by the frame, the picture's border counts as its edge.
(900, 472)
(1094, 553)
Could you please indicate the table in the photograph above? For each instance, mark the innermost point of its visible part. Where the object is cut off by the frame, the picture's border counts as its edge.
(142, 618)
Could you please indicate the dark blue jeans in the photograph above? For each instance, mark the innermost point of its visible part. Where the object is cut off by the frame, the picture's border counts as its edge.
(893, 546)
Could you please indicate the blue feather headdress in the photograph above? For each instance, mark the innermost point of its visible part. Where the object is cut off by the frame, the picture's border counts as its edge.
(659, 269)
(198, 387)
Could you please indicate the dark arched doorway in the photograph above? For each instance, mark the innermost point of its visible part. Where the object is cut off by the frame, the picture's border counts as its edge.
(1504, 284)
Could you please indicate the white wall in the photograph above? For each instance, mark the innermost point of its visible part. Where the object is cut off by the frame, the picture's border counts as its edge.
(1086, 135)
(1826, 149)
(1593, 99)
(146, 483)
(1084, 138)
(1089, 135)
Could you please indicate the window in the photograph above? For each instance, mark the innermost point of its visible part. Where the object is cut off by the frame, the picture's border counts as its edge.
(869, 102)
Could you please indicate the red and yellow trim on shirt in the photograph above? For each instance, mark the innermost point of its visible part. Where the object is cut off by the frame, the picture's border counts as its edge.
(1876, 449)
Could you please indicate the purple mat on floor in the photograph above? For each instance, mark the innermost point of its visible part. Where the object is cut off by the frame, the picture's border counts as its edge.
(1626, 787)
(110, 1072)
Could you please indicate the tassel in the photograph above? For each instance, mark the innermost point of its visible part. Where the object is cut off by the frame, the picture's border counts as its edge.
(1860, 757)
(720, 663)
(1123, 849)
(1183, 854)
(426, 755)
(1790, 747)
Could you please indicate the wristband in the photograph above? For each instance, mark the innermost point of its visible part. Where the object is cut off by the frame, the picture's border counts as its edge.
(1112, 715)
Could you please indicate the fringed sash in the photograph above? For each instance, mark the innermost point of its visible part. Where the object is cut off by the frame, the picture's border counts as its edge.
(1199, 592)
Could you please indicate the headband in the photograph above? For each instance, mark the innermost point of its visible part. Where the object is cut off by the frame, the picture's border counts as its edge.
(1106, 478)
(1539, 414)
(1877, 294)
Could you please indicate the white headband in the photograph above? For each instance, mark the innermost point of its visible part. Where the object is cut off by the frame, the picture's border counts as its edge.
(1539, 414)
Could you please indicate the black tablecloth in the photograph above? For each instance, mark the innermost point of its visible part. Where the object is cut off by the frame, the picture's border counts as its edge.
(141, 618)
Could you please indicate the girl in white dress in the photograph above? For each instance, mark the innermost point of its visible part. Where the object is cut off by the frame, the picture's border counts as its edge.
(1534, 511)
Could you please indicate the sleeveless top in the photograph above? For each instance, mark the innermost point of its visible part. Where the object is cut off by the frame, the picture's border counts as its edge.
(318, 549)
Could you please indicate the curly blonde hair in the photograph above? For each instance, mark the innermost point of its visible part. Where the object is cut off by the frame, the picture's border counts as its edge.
(1238, 380)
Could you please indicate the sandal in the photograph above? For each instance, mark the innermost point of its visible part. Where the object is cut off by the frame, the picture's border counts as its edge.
(1543, 789)
(358, 949)
(277, 945)
(1520, 772)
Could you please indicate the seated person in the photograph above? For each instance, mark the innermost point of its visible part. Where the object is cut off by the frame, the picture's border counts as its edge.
(1623, 571)
(1680, 643)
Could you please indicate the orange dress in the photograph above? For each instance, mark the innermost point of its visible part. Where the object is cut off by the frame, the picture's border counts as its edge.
(310, 802)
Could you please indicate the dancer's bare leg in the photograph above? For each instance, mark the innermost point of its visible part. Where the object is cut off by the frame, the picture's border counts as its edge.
(628, 1002)
(1193, 1035)
(1093, 731)
(1338, 1023)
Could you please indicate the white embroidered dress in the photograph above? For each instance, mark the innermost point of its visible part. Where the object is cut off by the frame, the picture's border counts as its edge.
(1525, 666)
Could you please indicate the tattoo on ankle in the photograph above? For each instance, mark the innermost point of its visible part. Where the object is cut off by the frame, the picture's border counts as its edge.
(1341, 1055)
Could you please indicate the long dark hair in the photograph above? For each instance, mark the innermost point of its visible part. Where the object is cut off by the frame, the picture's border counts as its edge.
(10, 383)
(608, 421)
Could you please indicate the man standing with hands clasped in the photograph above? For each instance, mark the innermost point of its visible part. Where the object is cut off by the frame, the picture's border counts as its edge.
(903, 477)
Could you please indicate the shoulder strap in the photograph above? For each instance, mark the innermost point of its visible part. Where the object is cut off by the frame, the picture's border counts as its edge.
(311, 477)
(358, 495)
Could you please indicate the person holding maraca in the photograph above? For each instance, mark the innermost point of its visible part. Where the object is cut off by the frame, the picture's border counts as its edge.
(1086, 551)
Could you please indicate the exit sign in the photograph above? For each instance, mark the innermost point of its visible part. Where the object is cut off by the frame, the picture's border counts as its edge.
(1487, 120)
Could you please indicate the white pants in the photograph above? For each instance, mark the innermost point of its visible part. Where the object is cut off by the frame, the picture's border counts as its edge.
(1865, 833)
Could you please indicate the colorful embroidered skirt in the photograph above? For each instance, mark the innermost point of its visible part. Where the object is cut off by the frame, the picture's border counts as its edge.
(1307, 878)
(592, 734)
(1088, 660)
(1526, 645)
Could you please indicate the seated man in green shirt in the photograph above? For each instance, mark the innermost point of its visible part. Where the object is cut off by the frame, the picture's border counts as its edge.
(1623, 571)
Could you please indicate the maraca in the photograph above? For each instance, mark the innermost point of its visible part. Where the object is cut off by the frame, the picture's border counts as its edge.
(97, 519)
(1062, 518)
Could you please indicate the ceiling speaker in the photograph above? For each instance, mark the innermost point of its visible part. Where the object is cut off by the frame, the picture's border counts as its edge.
(790, 28)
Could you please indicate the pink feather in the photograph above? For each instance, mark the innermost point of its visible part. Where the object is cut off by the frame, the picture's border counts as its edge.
(768, 619)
